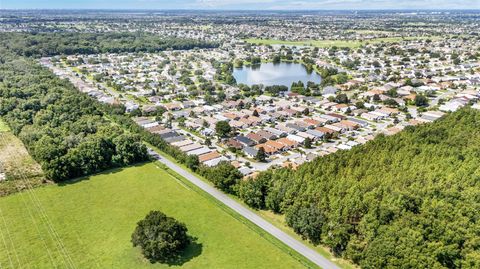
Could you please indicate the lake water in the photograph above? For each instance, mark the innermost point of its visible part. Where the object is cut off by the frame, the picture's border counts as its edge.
(270, 74)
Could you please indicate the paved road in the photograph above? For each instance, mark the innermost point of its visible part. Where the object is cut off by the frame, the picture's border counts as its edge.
(257, 220)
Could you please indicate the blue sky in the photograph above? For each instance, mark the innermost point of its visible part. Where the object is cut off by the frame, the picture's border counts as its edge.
(241, 4)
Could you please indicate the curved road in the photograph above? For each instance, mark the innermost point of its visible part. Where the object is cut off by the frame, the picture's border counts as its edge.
(307, 252)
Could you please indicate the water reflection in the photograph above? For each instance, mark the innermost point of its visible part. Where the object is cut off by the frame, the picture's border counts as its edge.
(274, 74)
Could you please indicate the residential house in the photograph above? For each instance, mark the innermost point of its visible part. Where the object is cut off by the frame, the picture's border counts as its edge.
(257, 138)
(250, 152)
(245, 141)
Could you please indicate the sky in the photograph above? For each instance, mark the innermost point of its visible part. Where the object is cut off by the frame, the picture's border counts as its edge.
(241, 4)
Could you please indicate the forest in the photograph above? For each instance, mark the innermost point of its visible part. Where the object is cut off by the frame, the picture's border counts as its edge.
(52, 44)
(64, 130)
(405, 201)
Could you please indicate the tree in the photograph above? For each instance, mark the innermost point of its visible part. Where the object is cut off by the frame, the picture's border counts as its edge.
(261, 155)
(224, 176)
(421, 100)
(161, 238)
(327, 136)
(255, 113)
(306, 221)
(341, 98)
(253, 191)
(391, 103)
(276, 58)
(308, 143)
(208, 142)
(392, 93)
(222, 128)
(192, 162)
(181, 121)
(129, 149)
(360, 105)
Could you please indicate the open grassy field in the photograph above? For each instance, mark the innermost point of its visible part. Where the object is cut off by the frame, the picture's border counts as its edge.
(369, 31)
(3, 126)
(88, 223)
(315, 43)
(331, 43)
(279, 221)
(16, 163)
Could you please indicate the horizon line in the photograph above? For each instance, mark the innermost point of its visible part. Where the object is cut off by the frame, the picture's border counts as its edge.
(261, 10)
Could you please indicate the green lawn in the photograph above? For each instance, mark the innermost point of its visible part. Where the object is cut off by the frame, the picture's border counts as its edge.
(315, 43)
(337, 43)
(95, 217)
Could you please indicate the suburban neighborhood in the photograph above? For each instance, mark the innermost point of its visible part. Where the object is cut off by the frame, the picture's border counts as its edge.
(240, 134)
(379, 93)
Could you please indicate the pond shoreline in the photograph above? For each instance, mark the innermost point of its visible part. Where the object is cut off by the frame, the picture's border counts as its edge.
(269, 73)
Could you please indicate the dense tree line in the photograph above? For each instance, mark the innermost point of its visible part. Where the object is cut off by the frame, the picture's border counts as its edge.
(405, 201)
(276, 90)
(308, 90)
(331, 76)
(51, 44)
(63, 129)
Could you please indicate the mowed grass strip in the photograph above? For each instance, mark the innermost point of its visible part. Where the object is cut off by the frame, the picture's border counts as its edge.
(95, 217)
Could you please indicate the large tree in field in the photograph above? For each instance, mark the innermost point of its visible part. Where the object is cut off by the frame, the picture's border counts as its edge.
(161, 238)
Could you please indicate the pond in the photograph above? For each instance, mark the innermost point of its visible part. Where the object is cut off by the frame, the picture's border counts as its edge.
(270, 74)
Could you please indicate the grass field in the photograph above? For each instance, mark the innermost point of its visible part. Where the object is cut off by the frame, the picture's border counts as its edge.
(279, 222)
(331, 43)
(3, 126)
(16, 163)
(95, 217)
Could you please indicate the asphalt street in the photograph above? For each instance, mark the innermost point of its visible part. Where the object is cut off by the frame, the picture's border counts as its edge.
(296, 245)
